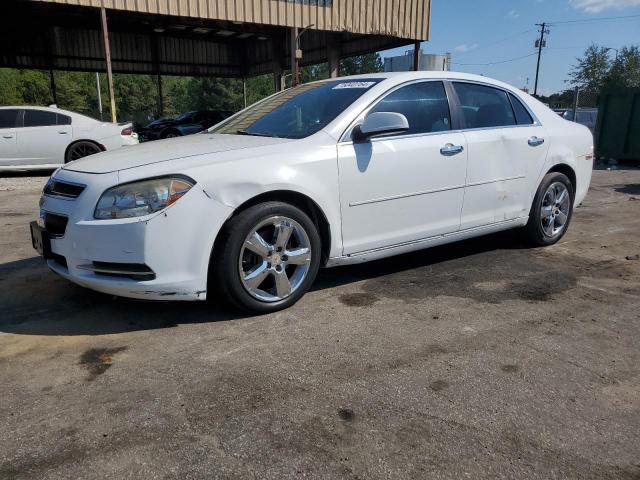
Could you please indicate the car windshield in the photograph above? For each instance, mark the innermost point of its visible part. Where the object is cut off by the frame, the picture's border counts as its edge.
(186, 117)
(297, 112)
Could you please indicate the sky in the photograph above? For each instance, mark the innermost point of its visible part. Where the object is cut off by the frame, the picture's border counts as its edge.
(489, 31)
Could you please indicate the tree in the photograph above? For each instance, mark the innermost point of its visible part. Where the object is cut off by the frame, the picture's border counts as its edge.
(10, 93)
(625, 70)
(136, 95)
(259, 87)
(559, 100)
(76, 91)
(592, 69)
(369, 63)
(314, 73)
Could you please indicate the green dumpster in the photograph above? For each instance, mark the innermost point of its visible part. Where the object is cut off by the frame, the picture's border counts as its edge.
(618, 129)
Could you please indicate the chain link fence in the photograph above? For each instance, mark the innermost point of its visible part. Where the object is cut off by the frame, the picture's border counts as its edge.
(585, 98)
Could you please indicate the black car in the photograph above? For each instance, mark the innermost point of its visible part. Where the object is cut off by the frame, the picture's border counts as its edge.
(185, 124)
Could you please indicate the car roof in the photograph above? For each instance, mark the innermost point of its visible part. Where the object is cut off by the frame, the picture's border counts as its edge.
(77, 116)
(401, 77)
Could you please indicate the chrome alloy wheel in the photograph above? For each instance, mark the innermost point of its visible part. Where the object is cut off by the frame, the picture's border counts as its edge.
(275, 259)
(556, 206)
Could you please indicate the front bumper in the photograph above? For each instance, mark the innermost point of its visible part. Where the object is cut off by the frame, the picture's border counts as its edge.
(175, 244)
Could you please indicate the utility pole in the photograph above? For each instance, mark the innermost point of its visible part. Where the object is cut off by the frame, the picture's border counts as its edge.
(416, 56)
(543, 31)
(54, 94)
(294, 55)
(107, 58)
(244, 90)
(99, 94)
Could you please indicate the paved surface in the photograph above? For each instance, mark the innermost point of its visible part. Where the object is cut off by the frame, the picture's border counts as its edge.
(482, 359)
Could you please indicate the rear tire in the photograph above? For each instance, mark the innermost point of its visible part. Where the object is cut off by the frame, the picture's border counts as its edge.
(81, 149)
(551, 211)
(267, 258)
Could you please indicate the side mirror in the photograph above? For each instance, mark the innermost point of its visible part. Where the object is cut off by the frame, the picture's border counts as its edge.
(380, 123)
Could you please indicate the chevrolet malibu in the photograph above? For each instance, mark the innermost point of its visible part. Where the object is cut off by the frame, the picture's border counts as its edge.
(329, 173)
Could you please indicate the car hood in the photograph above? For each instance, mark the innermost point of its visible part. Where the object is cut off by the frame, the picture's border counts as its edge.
(166, 150)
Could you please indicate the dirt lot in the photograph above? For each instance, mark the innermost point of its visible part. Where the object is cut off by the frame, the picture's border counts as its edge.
(482, 359)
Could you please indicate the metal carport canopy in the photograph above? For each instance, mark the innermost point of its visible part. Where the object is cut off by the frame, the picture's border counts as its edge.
(221, 38)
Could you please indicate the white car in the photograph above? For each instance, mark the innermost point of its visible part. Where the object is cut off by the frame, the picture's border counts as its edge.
(329, 173)
(47, 137)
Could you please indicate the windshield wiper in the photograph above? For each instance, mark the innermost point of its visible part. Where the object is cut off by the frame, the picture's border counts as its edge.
(252, 134)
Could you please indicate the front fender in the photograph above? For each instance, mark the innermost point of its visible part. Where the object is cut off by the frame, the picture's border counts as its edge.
(236, 194)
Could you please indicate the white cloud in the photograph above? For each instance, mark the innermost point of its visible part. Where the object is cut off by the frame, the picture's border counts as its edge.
(466, 48)
(513, 14)
(596, 6)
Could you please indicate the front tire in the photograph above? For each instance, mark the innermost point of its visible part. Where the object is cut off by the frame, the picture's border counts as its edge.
(171, 134)
(268, 257)
(551, 211)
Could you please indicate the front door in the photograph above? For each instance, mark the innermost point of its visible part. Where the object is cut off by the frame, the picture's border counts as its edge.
(41, 141)
(402, 188)
(8, 137)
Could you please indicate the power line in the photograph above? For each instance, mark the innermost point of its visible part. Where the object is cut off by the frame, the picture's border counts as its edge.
(594, 20)
(497, 42)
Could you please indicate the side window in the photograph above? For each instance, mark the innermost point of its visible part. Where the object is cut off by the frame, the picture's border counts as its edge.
(8, 118)
(63, 119)
(424, 104)
(484, 107)
(39, 118)
(522, 115)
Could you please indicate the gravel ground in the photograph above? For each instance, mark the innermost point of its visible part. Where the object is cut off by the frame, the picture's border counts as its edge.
(482, 359)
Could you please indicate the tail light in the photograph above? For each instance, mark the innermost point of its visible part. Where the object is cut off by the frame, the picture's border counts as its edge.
(127, 132)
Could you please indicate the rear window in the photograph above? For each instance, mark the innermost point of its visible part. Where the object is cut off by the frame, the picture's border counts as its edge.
(522, 114)
(484, 107)
(39, 118)
(63, 119)
(8, 118)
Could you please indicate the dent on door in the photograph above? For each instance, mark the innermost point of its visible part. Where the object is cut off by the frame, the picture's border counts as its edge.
(502, 164)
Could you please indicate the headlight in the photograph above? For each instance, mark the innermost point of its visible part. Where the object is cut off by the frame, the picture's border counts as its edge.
(142, 198)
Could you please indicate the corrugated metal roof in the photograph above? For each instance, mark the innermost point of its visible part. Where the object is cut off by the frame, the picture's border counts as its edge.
(55, 34)
(407, 19)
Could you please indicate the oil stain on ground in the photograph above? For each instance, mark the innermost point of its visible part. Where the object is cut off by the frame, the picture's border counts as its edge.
(487, 277)
(358, 299)
(438, 385)
(98, 360)
(346, 414)
(510, 368)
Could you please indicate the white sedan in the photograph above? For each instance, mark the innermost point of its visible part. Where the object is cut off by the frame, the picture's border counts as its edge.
(329, 173)
(46, 137)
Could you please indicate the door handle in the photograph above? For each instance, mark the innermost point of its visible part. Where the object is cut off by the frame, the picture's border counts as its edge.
(62, 132)
(535, 141)
(7, 136)
(450, 149)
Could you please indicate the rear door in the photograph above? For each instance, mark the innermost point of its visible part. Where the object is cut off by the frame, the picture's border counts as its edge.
(507, 150)
(44, 137)
(8, 136)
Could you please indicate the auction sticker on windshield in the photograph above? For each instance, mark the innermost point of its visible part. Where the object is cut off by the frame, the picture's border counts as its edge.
(354, 85)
